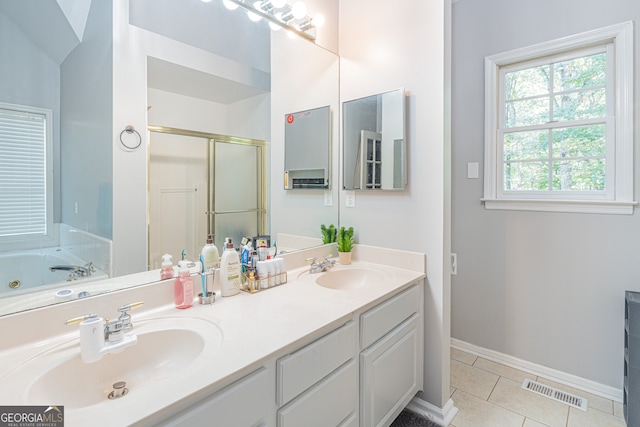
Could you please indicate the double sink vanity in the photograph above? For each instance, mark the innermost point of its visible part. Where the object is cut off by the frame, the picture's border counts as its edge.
(342, 347)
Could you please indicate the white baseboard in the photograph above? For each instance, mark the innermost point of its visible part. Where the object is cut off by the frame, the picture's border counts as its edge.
(570, 380)
(440, 416)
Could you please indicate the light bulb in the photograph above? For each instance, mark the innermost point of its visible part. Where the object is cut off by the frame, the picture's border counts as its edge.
(206, 1)
(254, 16)
(278, 3)
(299, 10)
(229, 5)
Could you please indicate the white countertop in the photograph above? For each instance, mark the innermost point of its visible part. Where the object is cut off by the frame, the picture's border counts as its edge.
(254, 328)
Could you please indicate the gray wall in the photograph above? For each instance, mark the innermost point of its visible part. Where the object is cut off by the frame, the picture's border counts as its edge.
(30, 78)
(547, 288)
(86, 117)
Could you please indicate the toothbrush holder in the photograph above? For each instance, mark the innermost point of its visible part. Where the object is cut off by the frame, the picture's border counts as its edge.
(210, 296)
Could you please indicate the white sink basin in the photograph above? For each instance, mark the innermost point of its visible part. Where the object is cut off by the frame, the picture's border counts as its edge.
(166, 347)
(349, 278)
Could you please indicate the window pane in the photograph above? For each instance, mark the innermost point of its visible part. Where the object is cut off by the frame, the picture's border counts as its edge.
(579, 175)
(526, 145)
(527, 83)
(526, 112)
(581, 141)
(526, 176)
(23, 183)
(580, 73)
(586, 104)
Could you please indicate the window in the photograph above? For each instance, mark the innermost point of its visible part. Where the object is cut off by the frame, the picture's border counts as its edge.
(25, 201)
(559, 125)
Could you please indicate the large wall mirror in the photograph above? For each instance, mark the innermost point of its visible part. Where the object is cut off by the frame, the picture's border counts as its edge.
(228, 76)
(374, 142)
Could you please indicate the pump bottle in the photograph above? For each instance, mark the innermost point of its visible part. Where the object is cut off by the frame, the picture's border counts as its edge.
(210, 254)
(166, 272)
(183, 286)
(230, 279)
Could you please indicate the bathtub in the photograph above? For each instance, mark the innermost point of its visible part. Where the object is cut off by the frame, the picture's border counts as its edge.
(28, 271)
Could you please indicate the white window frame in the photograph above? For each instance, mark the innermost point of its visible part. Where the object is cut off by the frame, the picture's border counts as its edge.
(618, 198)
(37, 239)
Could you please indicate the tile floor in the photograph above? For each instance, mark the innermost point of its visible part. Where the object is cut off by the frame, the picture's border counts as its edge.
(490, 394)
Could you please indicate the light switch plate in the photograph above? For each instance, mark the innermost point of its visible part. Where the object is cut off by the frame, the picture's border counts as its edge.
(350, 199)
(328, 198)
(472, 170)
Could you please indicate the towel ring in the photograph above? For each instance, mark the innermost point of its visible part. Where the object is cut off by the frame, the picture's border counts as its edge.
(130, 129)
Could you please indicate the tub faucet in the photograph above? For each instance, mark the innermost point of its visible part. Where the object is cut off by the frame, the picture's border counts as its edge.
(318, 267)
(75, 271)
(100, 336)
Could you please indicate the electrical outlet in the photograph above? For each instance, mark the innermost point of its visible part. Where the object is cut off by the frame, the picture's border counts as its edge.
(75, 208)
(454, 264)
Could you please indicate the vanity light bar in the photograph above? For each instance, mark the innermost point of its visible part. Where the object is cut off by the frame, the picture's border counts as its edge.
(284, 19)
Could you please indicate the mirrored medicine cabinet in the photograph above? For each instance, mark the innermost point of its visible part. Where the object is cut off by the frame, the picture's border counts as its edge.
(374, 144)
(307, 149)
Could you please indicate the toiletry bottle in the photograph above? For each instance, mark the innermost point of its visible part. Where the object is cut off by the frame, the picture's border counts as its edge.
(271, 272)
(210, 254)
(183, 286)
(166, 272)
(252, 284)
(229, 270)
(263, 274)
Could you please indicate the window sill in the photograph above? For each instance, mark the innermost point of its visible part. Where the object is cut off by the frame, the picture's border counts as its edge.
(567, 206)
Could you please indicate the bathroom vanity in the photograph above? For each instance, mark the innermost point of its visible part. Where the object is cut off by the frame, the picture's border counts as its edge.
(342, 347)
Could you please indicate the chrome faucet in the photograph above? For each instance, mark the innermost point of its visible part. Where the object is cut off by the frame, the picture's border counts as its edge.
(75, 271)
(318, 267)
(100, 336)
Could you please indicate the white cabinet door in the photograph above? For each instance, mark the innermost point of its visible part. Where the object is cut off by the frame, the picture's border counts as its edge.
(389, 374)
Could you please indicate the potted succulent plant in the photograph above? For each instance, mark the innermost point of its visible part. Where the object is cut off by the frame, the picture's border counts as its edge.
(328, 233)
(345, 244)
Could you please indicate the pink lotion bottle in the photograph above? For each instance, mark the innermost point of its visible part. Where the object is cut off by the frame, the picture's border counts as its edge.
(183, 286)
(166, 272)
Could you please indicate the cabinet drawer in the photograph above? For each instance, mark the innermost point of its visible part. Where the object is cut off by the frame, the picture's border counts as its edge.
(300, 370)
(376, 322)
(241, 403)
(332, 402)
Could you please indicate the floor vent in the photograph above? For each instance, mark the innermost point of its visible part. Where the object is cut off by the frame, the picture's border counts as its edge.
(555, 394)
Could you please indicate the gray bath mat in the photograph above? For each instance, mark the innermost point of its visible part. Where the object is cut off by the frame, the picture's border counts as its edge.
(411, 419)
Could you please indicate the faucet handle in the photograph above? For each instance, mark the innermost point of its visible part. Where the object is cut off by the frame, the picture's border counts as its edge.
(123, 309)
(80, 319)
(125, 317)
(312, 260)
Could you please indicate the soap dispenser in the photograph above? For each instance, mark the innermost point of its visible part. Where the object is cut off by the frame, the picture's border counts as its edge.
(210, 254)
(166, 272)
(229, 270)
(183, 286)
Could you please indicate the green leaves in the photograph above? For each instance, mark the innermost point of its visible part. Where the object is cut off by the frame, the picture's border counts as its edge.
(328, 233)
(345, 239)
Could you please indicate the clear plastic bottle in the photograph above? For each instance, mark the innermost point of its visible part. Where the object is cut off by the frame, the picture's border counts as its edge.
(230, 279)
(183, 286)
(166, 271)
(210, 254)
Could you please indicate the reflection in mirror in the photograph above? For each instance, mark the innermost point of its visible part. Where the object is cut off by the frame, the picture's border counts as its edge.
(191, 195)
(307, 149)
(65, 63)
(374, 142)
